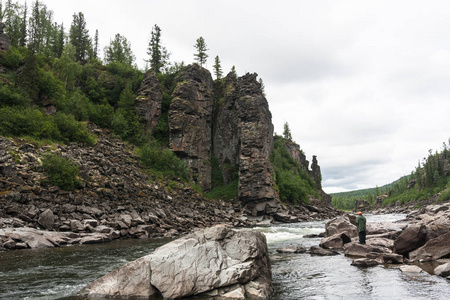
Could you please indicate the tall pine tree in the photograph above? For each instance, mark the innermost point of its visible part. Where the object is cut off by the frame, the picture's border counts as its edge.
(79, 37)
(201, 55)
(159, 56)
(217, 68)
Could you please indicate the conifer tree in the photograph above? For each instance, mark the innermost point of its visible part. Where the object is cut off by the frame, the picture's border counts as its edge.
(262, 86)
(119, 50)
(287, 131)
(96, 44)
(217, 68)
(159, 56)
(201, 55)
(79, 37)
(23, 27)
(233, 71)
(59, 42)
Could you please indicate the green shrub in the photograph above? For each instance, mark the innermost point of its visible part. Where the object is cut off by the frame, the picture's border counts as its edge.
(13, 58)
(60, 171)
(10, 97)
(225, 192)
(101, 114)
(162, 160)
(72, 130)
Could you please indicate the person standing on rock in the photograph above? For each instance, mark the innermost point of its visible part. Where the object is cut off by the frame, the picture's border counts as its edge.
(361, 224)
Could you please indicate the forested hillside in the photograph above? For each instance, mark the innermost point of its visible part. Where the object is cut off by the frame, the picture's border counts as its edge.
(53, 82)
(429, 181)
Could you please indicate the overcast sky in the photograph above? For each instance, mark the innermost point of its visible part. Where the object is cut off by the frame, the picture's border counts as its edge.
(364, 85)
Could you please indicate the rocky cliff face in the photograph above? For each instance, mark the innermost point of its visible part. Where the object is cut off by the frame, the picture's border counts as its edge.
(5, 42)
(149, 100)
(190, 118)
(243, 139)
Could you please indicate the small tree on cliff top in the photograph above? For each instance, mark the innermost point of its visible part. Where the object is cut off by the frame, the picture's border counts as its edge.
(217, 68)
(201, 55)
(287, 131)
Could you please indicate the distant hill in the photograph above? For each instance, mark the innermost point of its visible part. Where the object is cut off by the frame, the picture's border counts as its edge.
(430, 182)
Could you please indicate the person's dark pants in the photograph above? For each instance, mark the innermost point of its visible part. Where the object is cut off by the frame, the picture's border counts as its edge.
(362, 237)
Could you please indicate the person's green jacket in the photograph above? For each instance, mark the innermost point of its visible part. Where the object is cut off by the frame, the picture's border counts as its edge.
(361, 223)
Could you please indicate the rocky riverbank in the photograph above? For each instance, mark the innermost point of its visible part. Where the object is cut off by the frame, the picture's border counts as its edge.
(423, 236)
(116, 199)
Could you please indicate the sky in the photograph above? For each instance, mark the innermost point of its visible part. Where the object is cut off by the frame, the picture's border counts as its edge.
(363, 85)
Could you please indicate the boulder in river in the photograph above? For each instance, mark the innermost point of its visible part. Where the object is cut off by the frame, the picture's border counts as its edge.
(443, 270)
(410, 239)
(215, 261)
(342, 224)
(434, 249)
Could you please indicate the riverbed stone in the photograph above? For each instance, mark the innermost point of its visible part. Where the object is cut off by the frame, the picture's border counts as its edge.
(443, 270)
(292, 249)
(410, 239)
(204, 261)
(365, 262)
(47, 219)
(411, 269)
(341, 224)
(362, 250)
(316, 250)
(433, 249)
(336, 241)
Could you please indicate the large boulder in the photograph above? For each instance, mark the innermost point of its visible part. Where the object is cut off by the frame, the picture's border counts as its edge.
(410, 239)
(336, 241)
(436, 248)
(47, 219)
(443, 270)
(341, 224)
(362, 250)
(216, 261)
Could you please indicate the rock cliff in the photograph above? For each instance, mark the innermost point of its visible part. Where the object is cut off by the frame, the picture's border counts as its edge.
(229, 121)
(243, 138)
(149, 100)
(190, 118)
(5, 42)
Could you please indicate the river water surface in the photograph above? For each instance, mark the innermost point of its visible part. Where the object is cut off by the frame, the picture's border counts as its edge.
(59, 273)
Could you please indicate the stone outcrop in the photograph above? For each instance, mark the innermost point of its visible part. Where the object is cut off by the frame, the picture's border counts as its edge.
(5, 41)
(149, 100)
(228, 121)
(190, 121)
(243, 139)
(216, 262)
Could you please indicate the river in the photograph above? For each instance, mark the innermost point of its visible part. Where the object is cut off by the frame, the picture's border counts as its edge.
(59, 273)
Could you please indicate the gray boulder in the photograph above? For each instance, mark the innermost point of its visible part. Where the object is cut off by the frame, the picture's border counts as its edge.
(215, 261)
(443, 270)
(365, 262)
(336, 241)
(47, 219)
(410, 239)
(341, 224)
(362, 250)
(436, 248)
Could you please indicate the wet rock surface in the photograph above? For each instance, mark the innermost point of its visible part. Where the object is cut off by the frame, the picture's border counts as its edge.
(215, 262)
